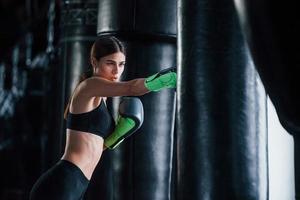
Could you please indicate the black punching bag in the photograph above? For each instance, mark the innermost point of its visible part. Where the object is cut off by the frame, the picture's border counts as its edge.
(78, 22)
(221, 107)
(272, 30)
(142, 163)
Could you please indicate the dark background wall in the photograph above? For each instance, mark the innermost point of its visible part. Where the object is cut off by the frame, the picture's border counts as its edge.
(26, 55)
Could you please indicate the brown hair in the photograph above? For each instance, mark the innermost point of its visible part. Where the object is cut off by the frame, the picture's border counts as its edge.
(103, 46)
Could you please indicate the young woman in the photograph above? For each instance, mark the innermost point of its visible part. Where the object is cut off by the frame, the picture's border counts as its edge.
(90, 127)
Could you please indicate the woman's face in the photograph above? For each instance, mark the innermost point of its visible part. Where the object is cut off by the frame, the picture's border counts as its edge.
(109, 67)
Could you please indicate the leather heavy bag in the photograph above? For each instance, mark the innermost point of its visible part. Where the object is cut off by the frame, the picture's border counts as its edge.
(221, 107)
(142, 164)
(272, 30)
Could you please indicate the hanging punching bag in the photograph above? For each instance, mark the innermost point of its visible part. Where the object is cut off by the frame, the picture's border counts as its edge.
(221, 107)
(272, 30)
(142, 163)
(78, 34)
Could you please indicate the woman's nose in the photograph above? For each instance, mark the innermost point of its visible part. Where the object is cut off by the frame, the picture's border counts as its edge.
(115, 69)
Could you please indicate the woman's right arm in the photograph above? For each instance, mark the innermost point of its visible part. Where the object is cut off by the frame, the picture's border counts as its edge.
(96, 86)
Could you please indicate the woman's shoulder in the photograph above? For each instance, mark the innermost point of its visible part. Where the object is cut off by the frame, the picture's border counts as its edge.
(82, 103)
(91, 80)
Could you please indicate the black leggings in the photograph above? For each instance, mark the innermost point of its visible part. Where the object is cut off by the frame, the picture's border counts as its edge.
(64, 181)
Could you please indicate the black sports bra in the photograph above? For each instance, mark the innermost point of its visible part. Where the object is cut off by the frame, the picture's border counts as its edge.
(98, 121)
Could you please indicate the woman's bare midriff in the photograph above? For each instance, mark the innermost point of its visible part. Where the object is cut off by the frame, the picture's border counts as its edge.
(84, 150)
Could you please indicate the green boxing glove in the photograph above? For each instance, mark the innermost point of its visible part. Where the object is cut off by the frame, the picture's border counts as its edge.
(166, 78)
(131, 117)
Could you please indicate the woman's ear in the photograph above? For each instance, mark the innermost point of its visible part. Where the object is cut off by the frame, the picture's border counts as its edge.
(94, 62)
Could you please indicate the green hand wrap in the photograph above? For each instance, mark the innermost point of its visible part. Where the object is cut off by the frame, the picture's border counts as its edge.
(164, 79)
(123, 126)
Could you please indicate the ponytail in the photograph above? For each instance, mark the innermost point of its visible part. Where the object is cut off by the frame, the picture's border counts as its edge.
(83, 76)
